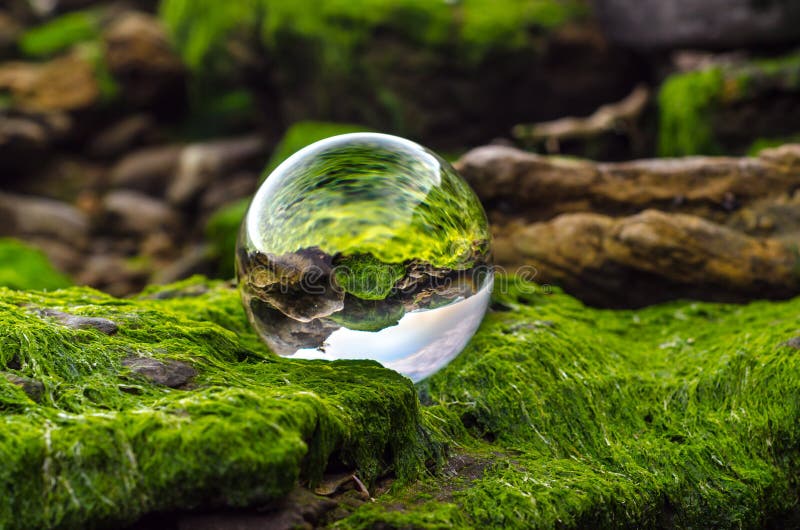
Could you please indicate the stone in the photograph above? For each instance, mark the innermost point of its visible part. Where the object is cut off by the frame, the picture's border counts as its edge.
(122, 136)
(65, 83)
(224, 191)
(537, 187)
(203, 163)
(647, 24)
(133, 212)
(650, 257)
(169, 373)
(140, 57)
(194, 260)
(28, 216)
(103, 325)
(33, 388)
(149, 170)
(633, 233)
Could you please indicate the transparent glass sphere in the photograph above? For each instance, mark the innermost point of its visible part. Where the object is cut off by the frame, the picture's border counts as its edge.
(366, 246)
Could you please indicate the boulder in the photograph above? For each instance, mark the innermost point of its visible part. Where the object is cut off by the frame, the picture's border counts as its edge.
(66, 83)
(136, 213)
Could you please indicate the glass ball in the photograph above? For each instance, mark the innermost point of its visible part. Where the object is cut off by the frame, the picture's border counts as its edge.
(366, 246)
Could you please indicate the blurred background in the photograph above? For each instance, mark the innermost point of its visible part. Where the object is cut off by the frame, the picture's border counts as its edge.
(133, 132)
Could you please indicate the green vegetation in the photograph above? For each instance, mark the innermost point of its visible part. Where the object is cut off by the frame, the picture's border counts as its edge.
(367, 278)
(26, 268)
(684, 414)
(222, 231)
(336, 30)
(60, 34)
(686, 102)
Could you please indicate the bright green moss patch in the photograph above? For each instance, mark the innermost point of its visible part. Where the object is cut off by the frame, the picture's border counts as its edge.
(684, 414)
(23, 267)
(366, 277)
(109, 445)
(60, 34)
(686, 102)
(679, 415)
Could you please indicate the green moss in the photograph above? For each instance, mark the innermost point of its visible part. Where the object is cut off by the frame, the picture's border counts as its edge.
(767, 143)
(23, 267)
(686, 102)
(110, 446)
(337, 29)
(680, 415)
(366, 277)
(60, 34)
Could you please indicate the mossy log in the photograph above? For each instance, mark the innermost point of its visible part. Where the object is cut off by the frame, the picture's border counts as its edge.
(555, 415)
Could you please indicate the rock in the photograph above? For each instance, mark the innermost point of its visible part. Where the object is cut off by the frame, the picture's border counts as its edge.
(27, 216)
(141, 58)
(537, 188)
(195, 260)
(794, 342)
(712, 24)
(149, 170)
(103, 325)
(171, 373)
(603, 386)
(112, 274)
(33, 388)
(133, 212)
(120, 137)
(224, 191)
(26, 137)
(63, 84)
(650, 257)
(201, 164)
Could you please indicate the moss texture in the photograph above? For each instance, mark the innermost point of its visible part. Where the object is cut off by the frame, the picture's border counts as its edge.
(678, 415)
(24, 267)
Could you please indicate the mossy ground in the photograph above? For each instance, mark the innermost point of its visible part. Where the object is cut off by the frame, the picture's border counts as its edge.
(678, 415)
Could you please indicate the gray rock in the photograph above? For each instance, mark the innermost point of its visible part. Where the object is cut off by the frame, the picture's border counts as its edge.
(202, 164)
(196, 260)
(25, 216)
(150, 170)
(171, 373)
(794, 342)
(121, 136)
(228, 190)
(103, 325)
(700, 23)
(33, 388)
(133, 212)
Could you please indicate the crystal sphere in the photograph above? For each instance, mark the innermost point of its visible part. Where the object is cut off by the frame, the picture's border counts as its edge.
(366, 246)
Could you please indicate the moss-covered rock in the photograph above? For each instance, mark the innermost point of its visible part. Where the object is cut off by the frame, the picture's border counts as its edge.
(23, 267)
(724, 108)
(410, 67)
(555, 415)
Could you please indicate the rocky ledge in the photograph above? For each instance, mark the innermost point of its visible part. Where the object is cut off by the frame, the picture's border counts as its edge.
(165, 410)
(636, 233)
